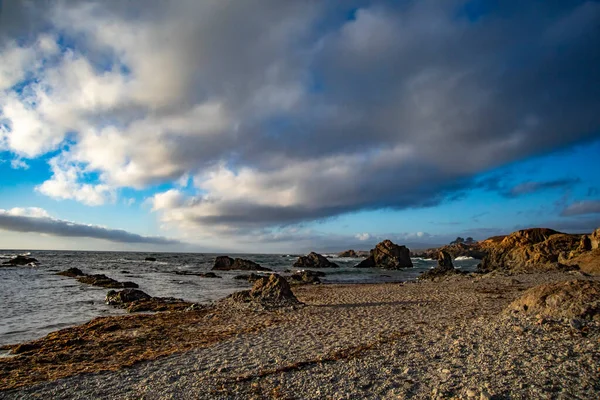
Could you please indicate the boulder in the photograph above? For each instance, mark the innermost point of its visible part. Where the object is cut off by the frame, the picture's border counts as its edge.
(314, 260)
(20, 261)
(445, 260)
(71, 273)
(388, 255)
(571, 299)
(225, 263)
(475, 250)
(535, 249)
(272, 291)
(150, 259)
(595, 239)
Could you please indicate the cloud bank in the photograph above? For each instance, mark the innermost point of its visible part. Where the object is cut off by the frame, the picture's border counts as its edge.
(275, 113)
(39, 221)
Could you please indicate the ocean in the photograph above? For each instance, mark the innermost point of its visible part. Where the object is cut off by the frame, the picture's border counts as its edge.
(34, 301)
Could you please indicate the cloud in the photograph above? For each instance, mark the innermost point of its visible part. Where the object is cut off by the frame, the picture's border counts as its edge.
(286, 112)
(534, 187)
(582, 208)
(362, 236)
(39, 221)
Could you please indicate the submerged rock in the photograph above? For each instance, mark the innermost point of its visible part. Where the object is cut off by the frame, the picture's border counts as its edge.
(314, 260)
(348, 253)
(226, 263)
(571, 299)
(21, 261)
(99, 280)
(388, 255)
(71, 273)
(150, 259)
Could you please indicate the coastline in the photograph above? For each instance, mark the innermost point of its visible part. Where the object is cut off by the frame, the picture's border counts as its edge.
(420, 340)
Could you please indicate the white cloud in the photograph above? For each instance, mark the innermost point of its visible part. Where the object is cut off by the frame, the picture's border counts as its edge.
(363, 236)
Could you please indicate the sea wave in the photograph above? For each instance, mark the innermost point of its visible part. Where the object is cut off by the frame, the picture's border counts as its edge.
(462, 258)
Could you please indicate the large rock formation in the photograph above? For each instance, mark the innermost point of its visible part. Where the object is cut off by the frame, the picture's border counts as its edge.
(305, 277)
(20, 261)
(572, 299)
(272, 291)
(314, 260)
(225, 263)
(388, 255)
(530, 249)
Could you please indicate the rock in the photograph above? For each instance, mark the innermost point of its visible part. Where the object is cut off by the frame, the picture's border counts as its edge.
(475, 250)
(209, 275)
(595, 239)
(272, 291)
(585, 244)
(250, 278)
(388, 255)
(137, 301)
(348, 253)
(20, 261)
(200, 274)
(71, 272)
(305, 277)
(314, 260)
(104, 281)
(578, 299)
(123, 297)
(225, 263)
(150, 259)
(536, 249)
(443, 269)
(576, 323)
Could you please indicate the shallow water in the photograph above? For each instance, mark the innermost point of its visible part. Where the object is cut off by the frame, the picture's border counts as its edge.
(34, 301)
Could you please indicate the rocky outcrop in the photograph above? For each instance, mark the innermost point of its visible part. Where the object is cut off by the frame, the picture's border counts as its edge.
(531, 250)
(271, 292)
(200, 274)
(21, 261)
(572, 299)
(314, 260)
(388, 255)
(225, 263)
(443, 269)
(99, 280)
(134, 300)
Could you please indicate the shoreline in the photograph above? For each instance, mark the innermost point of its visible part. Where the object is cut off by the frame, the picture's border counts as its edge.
(343, 332)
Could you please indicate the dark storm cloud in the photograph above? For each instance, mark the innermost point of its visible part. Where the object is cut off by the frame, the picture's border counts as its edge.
(398, 106)
(534, 187)
(55, 227)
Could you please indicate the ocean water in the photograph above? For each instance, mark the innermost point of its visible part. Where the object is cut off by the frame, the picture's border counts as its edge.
(34, 301)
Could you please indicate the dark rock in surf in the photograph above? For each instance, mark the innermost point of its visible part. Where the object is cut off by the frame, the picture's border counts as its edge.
(388, 255)
(314, 260)
(225, 263)
(21, 261)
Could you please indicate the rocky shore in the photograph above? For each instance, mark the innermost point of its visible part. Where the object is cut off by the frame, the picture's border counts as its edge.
(464, 337)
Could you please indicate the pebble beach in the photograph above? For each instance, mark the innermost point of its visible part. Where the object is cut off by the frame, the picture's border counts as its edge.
(455, 338)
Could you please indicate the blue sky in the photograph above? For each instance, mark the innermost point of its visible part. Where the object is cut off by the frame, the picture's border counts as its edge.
(280, 127)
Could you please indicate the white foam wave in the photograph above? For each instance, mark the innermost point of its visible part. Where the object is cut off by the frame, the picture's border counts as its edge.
(462, 258)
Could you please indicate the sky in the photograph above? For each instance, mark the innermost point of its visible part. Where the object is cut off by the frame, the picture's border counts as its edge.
(271, 126)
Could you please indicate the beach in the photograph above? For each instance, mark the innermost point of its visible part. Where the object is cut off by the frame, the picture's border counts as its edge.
(448, 339)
